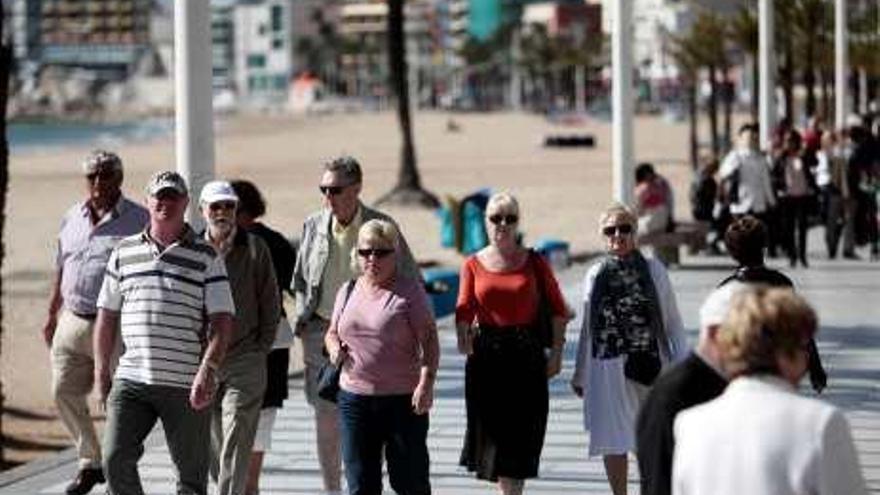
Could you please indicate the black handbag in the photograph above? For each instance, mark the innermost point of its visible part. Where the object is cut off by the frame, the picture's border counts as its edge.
(544, 319)
(642, 367)
(329, 373)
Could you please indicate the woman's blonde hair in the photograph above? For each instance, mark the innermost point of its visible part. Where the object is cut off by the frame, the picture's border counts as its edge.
(502, 201)
(762, 322)
(618, 210)
(382, 232)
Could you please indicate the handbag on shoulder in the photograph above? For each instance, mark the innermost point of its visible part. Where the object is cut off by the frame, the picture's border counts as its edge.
(329, 373)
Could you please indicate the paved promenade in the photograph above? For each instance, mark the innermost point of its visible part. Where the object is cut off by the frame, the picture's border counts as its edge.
(846, 295)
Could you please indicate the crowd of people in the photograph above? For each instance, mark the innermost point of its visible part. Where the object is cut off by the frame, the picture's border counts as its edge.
(188, 328)
(815, 176)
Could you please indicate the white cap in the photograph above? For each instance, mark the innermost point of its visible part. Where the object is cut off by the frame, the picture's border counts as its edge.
(715, 308)
(218, 190)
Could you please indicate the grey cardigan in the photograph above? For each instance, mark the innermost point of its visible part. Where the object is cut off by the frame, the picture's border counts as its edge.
(314, 251)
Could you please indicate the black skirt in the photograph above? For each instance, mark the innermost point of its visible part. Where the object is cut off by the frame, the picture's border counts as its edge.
(277, 362)
(507, 402)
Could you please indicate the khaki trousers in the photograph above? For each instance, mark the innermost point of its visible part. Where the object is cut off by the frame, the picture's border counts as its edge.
(72, 379)
(236, 413)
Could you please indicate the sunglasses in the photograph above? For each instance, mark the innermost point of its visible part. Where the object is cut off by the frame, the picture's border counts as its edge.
(103, 175)
(375, 252)
(332, 190)
(623, 229)
(222, 205)
(505, 219)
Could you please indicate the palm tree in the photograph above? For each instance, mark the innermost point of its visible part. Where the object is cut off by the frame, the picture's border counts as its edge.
(5, 73)
(707, 42)
(743, 32)
(684, 50)
(408, 190)
(808, 17)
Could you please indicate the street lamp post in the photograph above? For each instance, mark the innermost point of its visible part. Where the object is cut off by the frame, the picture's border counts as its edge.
(767, 72)
(622, 101)
(194, 125)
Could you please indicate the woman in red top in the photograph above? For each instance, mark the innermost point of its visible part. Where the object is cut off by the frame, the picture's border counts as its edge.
(497, 318)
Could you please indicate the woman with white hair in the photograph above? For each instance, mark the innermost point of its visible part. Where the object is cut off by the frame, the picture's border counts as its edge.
(383, 334)
(508, 302)
(631, 330)
(760, 436)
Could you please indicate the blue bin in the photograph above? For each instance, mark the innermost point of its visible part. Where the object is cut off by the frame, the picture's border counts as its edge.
(441, 284)
(555, 251)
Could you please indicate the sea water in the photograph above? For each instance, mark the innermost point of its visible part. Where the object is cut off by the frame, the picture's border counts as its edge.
(27, 137)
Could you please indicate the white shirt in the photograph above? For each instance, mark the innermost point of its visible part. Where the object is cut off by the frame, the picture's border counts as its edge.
(761, 438)
(755, 190)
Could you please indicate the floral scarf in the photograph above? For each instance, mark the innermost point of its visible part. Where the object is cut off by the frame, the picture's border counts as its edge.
(625, 312)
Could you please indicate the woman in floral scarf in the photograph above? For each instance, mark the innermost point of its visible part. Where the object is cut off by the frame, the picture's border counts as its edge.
(631, 330)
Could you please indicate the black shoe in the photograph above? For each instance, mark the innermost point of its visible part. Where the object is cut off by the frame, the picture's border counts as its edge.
(85, 480)
(804, 263)
(851, 256)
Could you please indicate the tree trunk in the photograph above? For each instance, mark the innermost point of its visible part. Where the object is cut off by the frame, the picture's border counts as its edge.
(408, 190)
(713, 110)
(728, 108)
(5, 72)
(693, 116)
(756, 81)
(826, 98)
(787, 70)
(810, 76)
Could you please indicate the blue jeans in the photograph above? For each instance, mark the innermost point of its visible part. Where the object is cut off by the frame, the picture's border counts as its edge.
(369, 424)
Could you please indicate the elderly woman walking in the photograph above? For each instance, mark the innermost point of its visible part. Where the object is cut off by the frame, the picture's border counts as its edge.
(789, 444)
(505, 293)
(383, 333)
(631, 330)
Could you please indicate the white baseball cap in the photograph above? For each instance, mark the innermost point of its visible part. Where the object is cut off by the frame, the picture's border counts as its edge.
(716, 306)
(218, 190)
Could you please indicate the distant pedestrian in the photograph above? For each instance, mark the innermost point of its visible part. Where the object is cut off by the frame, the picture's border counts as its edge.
(241, 380)
(167, 295)
(323, 265)
(697, 379)
(631, 330)
(746, 239)
(745, 180)
(760, 436)
(383, 334)
(251, 207)
(703, 196)
(89, 231)
(655, 208)
(505, 292)
(833, 190)
(797, 196)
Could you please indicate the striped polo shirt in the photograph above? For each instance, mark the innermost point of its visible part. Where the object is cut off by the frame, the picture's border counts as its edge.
(163, 297)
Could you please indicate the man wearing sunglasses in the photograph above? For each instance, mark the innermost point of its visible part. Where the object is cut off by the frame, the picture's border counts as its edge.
(323, 265)
(241, 379)
(89, 231)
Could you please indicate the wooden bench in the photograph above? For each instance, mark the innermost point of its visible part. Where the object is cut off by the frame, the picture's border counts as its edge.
(690, 234)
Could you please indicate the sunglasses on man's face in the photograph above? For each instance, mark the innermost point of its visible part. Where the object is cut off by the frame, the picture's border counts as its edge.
(332, 190)
(623, 229)
(222, 205)
(503, 219)
(103, 175)
(374, 252)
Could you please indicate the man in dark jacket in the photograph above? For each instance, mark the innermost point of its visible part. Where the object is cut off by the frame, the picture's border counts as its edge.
(695, 380)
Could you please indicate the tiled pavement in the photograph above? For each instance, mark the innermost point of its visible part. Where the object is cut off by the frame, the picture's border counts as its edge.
(846, 295)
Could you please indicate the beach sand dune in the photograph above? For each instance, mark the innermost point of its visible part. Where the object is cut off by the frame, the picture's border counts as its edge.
(561, 192)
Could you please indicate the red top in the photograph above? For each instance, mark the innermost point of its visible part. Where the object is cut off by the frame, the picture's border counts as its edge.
(507, 298)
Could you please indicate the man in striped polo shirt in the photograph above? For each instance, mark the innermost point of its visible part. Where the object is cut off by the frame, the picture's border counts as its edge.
(160, 288)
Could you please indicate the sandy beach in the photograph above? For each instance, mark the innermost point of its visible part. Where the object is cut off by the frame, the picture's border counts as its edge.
(561, 193)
